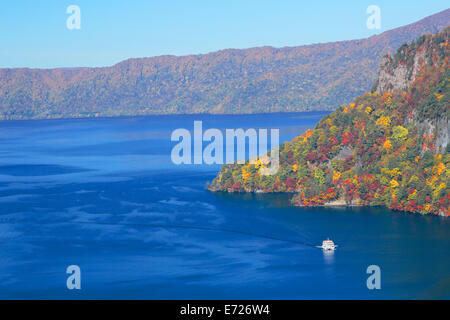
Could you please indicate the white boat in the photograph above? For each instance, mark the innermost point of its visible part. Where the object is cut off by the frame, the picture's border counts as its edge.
(328, 245)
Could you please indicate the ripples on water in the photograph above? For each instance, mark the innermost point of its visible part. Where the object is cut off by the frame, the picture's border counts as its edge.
(103, 194)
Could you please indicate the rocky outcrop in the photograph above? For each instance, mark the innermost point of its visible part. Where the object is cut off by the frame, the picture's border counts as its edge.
(400, 76)
(440, 129)
(400, 71)
(386, 148)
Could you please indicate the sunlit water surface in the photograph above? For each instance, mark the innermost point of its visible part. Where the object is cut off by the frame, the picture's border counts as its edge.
(103, 194)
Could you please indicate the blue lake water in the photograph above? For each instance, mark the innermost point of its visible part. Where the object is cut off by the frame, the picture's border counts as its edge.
(103, 194)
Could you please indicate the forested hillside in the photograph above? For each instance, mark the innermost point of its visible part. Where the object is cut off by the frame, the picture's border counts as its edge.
(388, 147)
(265, 79)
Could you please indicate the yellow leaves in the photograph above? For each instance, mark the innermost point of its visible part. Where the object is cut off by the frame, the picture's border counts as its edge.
(394, 183)
(413, 179)
(304, 137)
(438, 189)
(393, 173)
(399, 133)
(384, 121)
(387, 97)
(336, 175)
(258, 163)
(322, 137)
(440, 168)
(384, 181)
(388, 101)
(439, 96)
(295, 167)
(334, 130)
(427, 207)
(264, 160)
(348, 108)
(413, 195)
(432, 181)
(245, 174)
(416, 159)
(368, 110)
(261, 163)
(394, 197)
(355, 180)
(387, 145)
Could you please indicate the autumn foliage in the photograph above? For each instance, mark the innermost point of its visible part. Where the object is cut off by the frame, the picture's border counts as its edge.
(382, 149)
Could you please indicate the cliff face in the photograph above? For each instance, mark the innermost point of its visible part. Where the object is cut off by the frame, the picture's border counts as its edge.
(388, 147)
(399, 77)
(400, 71)
(266, 79)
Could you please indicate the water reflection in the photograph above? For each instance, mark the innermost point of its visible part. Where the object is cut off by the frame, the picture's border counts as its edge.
(328, 256)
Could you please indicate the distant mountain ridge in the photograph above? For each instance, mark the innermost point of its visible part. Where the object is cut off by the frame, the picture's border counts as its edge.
(263, 79)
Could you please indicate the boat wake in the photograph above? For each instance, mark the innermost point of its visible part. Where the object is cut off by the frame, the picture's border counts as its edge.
(174, 226)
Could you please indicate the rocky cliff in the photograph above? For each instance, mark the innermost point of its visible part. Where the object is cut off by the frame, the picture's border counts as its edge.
(388, 147)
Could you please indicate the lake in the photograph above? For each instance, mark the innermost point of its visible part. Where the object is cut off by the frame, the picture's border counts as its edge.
(104, 195)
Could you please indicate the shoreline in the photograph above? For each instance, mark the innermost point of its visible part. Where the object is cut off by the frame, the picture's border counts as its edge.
(125, 116)
(340, 203)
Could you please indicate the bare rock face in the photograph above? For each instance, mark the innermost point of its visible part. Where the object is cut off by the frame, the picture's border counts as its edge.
(440, 128)
(398, 72)
(442, 134)
(344, 153)
(400, 77)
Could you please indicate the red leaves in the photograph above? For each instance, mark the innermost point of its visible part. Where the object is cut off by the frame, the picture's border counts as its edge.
(290, 183)
(236, 187)
(347, 138)
(332, 141)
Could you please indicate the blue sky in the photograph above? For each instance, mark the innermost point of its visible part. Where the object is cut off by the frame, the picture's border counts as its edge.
(34, 33)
